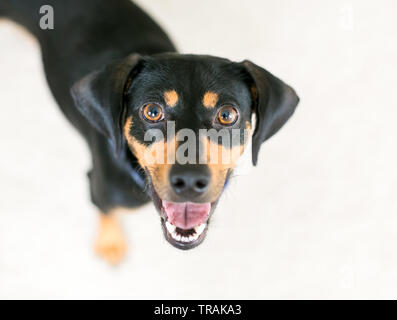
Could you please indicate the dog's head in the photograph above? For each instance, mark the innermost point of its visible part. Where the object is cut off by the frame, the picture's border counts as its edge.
(186, 118)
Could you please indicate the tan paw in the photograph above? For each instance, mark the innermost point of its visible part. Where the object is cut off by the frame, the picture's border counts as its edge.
(110, 243)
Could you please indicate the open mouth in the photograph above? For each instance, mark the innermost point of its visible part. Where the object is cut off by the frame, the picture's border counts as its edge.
(185, 224)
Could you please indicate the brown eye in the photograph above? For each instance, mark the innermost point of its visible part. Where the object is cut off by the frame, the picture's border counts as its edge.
(227, 115)
(152, 112)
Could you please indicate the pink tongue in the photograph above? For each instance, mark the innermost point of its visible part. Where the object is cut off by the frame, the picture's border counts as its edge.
(186, 215)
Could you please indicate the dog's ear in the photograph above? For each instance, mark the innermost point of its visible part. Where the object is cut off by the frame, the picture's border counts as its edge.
(99, 97)
(274, 103)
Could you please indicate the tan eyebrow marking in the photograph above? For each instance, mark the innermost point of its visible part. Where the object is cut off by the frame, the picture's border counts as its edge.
(171, 98)
(210, 99)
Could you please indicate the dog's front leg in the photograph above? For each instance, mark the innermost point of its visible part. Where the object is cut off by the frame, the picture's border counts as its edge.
(110, 243)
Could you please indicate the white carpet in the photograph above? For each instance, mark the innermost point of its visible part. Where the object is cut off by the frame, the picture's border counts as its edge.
(316, 219)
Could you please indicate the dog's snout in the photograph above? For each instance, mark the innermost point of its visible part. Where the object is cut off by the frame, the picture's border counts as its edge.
(190, 181)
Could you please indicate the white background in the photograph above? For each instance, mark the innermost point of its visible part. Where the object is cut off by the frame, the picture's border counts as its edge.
(316, 219)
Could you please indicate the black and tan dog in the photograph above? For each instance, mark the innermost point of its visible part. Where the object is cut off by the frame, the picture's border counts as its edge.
(116, 75)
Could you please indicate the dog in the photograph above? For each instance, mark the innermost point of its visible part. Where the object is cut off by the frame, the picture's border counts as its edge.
(117, 76)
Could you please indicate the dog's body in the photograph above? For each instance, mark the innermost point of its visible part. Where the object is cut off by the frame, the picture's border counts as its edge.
(87, 36)
(103, 60)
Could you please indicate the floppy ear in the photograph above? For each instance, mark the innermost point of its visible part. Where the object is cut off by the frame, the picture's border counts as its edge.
(274, 103)
(99, 97)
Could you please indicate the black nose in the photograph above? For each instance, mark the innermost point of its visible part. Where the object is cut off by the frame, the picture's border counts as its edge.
(189, 181)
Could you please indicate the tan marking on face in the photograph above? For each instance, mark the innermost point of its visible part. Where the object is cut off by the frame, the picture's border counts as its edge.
(248, 126)
(220, 161)
(210, 99)
(110, 243)
(171, 98)
(157, 159)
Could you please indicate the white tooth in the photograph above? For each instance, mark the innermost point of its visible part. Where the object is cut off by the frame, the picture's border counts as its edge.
(191, 238)
(173, 235)
(185, 239)
(178, 237)
(199, 229)
(170, 227)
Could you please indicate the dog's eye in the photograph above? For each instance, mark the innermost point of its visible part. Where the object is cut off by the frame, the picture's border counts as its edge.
(227, 115)
(152, 112)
